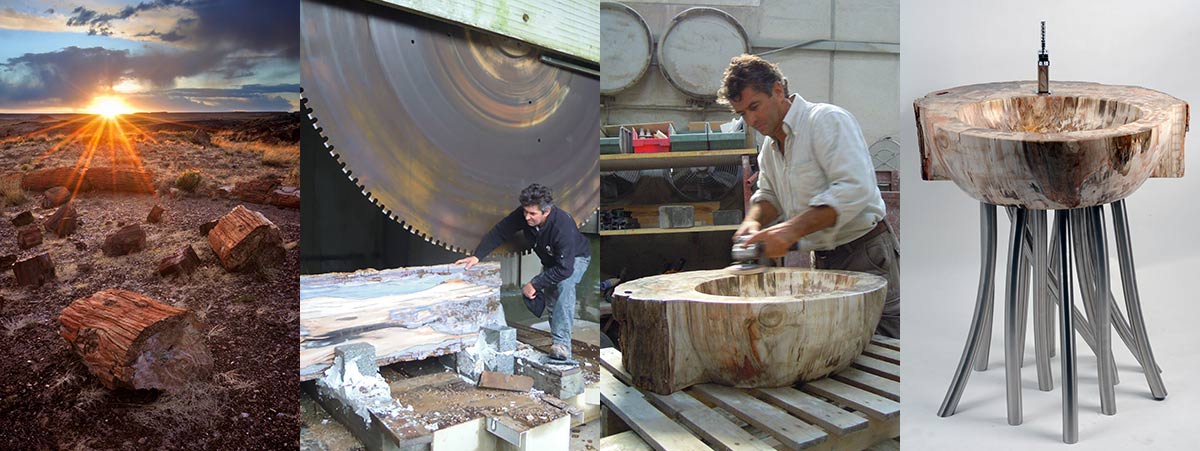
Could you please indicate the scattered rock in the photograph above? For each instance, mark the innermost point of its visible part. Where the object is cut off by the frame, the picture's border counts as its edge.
(155, 214)
(244, 237)
(34, 270)
(56, 196)
(79, 245)
(85, 267)
(64, 221)
(182, 263)
(28, 237)
(126, 240)
(23, 218)
(6, 261)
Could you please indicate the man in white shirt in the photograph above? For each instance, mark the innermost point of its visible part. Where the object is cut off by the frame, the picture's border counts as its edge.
(816, 178)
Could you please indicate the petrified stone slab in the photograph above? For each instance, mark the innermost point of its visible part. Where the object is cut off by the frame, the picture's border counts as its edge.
(405, 313)
(243, 238)
(183, 262)
(28, 237)
(764, 330)
(155, 214)
(1085, 144)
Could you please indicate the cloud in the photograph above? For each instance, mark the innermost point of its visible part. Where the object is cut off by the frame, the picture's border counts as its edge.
(252, 97)
(220, 39)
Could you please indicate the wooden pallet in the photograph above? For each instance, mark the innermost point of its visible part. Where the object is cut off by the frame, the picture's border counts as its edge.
(851, 410)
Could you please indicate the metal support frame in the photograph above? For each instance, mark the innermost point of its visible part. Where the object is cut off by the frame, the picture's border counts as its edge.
(1043, 263)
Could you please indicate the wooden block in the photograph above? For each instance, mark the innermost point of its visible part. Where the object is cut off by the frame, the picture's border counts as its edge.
(814, 410)
(660, 432)
(871, 404)
(406, 313)
(501, 381)
(676, 216)
(128, 340)
(790, 431)
(181, 263)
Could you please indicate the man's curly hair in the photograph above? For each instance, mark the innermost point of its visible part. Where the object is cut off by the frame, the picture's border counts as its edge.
(748, 71)
(539, 195)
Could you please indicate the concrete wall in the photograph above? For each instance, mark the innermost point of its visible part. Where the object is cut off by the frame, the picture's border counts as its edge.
(863, 83)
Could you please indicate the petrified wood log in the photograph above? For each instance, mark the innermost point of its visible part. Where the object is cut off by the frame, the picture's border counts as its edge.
(122, 180)
(56, 196)
(1084, 144)
(244, 237)
(128, 340)
(28, 237)
(284, 196)
(181, 263)
(257, 191)
(406, 313)
(23, 218)
(155, 214)
(764, 330)
(63, 221)
(34, 270)
(126, 240)
(44, 179)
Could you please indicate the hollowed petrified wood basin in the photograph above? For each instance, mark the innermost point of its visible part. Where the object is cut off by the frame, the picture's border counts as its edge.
(1084, 144)
(764, 330)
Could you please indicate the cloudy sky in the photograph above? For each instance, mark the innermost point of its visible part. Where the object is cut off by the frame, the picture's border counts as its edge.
(158, 55)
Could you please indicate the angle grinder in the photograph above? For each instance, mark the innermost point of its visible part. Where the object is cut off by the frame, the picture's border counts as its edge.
(749, 259)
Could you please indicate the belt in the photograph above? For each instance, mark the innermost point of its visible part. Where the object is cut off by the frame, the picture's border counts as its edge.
(879, 228)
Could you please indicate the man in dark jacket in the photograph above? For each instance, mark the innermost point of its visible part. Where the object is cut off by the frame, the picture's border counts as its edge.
(564, 253)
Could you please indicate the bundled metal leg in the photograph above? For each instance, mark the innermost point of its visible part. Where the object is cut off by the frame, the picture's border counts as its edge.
(1108, 396)
(1041, 334)
(983, 305)
(1133, 302)
(1070, 403)
(1012, 342)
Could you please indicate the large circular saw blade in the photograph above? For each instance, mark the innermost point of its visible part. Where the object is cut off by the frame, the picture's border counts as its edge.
(442, 126)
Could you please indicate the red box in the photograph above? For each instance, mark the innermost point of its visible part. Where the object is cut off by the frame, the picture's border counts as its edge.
(651, 145)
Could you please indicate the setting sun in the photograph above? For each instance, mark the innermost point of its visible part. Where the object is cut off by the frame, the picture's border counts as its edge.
(109, 106)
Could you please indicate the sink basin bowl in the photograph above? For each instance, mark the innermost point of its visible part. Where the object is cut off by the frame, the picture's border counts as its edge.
(764, 330)
(1082, 145)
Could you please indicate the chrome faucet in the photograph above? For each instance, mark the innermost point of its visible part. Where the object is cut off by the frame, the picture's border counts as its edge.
(1043, 66)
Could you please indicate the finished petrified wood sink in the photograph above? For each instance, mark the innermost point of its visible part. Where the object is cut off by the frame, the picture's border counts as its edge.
(1084, 144)
(764, 330)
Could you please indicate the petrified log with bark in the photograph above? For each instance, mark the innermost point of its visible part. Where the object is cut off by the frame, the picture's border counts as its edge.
(256, 191)
(245, 237)
(128, 340)
(23, 218)
(56, 196)
(181, 263)
(34, 270)
(44, 179)
(126, 240)
(284, 196)
(764, 330)
(406, 313)
(63, 221)
(126, 180)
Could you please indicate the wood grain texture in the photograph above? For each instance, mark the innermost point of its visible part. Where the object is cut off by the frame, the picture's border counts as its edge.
(1085, 144)
(244, 236)
(128, 340)
(764, 330)
(406, 313)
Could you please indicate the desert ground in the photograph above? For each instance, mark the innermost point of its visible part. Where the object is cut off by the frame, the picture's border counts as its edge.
(197, 168)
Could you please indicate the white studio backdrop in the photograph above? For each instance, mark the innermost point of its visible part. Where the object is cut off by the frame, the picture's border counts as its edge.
(1153, 44)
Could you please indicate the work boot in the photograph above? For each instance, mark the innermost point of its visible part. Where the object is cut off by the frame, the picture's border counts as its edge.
(560, 351)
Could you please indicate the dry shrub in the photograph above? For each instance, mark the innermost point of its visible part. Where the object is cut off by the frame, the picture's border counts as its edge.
(189, 180)
(280, 156)
(12, 325)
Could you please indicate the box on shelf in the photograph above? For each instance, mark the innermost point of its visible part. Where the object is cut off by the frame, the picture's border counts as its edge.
(689, 140)
(610, 145)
